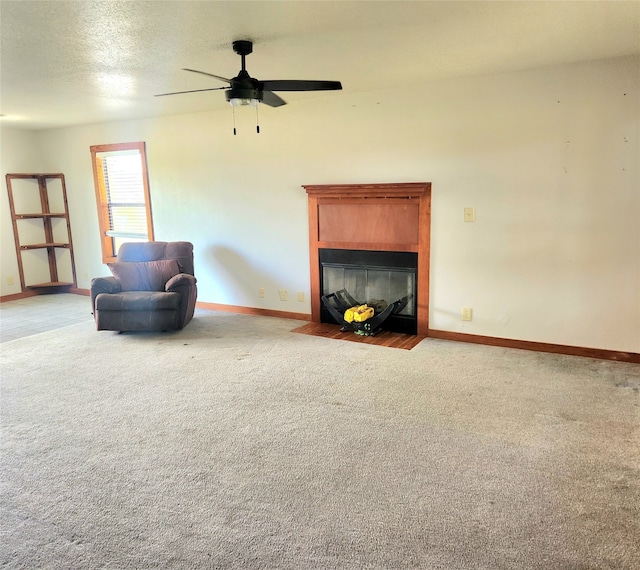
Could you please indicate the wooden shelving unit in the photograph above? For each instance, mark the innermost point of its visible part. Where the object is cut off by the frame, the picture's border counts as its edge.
(32, 197)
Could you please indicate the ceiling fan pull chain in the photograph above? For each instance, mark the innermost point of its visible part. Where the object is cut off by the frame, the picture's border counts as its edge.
(257, 121)
(233, 112)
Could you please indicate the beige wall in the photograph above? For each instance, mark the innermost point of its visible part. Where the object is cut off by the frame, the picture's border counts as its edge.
(547, 157)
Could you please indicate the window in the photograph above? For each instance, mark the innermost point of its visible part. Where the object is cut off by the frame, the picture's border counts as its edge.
(122, 195)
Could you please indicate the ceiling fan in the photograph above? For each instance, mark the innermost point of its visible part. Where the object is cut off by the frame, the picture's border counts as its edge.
(245, 90)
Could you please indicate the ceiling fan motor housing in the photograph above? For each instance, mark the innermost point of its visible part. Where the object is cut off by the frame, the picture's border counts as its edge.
(242, 93)
(244, 87)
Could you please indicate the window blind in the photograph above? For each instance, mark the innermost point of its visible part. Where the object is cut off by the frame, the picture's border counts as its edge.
(122, 173)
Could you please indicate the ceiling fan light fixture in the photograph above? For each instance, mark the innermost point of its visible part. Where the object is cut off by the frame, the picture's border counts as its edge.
(237, 101)
(238, 96)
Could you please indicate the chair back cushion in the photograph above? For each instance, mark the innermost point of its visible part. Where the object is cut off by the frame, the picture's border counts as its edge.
(181, 251)
(144, 275)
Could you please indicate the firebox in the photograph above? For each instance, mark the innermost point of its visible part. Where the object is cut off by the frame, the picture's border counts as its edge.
(375, 278)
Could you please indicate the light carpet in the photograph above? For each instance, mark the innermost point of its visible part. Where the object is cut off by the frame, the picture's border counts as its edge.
(238, 444)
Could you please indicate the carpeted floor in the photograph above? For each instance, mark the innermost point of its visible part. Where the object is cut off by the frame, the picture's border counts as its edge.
(238, 444)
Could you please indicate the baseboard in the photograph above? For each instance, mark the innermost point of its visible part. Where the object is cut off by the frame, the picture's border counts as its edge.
(17, 296)
(34, 292)
(253, 311)
(601, 354)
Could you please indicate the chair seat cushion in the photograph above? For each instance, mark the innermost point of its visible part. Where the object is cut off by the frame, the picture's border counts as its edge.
(138, 301)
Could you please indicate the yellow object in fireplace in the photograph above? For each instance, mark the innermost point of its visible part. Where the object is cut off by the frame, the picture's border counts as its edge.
(348, 314)
(363, 313)
(359, 313)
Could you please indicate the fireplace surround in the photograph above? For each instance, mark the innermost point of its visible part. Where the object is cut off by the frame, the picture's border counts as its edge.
(368, 233)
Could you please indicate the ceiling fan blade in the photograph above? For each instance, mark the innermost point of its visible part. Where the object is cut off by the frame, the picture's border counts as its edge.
(271, 99)
(191, 91)
(207, 74)
(300, 85)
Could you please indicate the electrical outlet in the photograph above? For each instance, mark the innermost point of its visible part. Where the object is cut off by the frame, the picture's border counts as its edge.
(9, 280)
(469, 214)
(283, 294)
(261, 292)
(85, 276)
(300, 296)
(467, 313)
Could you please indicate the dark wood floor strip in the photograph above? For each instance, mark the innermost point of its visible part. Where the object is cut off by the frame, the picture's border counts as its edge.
(384, 338)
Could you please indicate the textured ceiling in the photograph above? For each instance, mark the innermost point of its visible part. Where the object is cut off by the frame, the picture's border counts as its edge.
(68, 63)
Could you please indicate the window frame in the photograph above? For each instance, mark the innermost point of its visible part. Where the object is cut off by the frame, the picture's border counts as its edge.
(106, 241)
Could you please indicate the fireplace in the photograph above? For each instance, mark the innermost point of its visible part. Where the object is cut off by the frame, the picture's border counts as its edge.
(375, 278)
(372, 242)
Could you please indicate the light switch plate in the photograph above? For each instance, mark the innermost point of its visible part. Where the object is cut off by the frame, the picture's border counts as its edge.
(469, 214)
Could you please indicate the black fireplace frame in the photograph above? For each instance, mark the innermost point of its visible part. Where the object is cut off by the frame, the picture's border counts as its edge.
(400, 261)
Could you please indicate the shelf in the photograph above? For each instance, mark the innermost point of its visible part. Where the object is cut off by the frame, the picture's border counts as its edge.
(39, 216)
(50, 285)
(35, 176)
(44, 245)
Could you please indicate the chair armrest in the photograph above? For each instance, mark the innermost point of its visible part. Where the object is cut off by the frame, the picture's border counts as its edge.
(178, 281)
(106, 285)
(103, 285)
(185, 285)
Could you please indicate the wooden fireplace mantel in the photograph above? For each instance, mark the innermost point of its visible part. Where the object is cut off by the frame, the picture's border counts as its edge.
(375, 217)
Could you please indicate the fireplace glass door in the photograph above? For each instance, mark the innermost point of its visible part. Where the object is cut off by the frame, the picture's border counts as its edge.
(375, 278)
